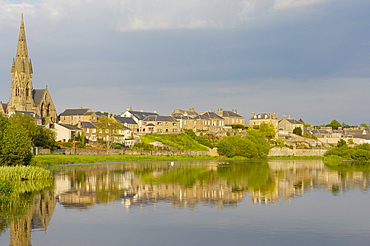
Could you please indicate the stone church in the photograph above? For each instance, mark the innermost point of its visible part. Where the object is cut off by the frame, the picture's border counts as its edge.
(24, 98)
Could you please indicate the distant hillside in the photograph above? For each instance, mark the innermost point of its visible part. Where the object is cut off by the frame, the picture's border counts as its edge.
(180, 141)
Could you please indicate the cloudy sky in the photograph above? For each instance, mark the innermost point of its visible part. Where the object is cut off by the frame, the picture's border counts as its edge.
(305, 58)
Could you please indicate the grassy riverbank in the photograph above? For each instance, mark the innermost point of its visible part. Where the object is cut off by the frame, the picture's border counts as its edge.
(49, 160)
(19, 173)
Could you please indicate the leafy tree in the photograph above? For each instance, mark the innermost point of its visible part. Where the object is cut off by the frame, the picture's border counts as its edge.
(267, 129)
(108, 130)
(254, 145)
(40, 136)
(342, 143)
(363, 125)
(297, 131)
(334, 124)
(15, 145)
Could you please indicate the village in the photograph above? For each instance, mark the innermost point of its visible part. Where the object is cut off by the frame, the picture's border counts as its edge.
(92, 128)
(73, 122)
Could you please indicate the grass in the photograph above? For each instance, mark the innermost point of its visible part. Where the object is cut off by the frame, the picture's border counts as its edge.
(180, 141)
(24, 172)
(49, 160)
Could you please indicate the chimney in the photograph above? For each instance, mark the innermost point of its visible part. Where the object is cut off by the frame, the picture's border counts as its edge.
(141, 110)
(220, 112)
(234, 111)
(155, 111)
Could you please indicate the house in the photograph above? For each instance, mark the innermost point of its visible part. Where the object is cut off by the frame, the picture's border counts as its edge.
(287, 125)
(89, 130)
(127, 122)
(160, 124)
(210, 122)
(231, 117)
(74, 116)
(65, 132)
(269, 118)
(138, 117)
(179, 112)
(186, 122)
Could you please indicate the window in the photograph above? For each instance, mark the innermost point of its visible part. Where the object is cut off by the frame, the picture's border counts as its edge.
(159, 130)
(159, 123)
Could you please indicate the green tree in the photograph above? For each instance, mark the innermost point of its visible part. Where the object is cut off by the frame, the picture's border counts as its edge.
(15, 143)
(40, 136)
(341, 143)
(267, 129)
(297, 131)
(108, 130)
(334, 124)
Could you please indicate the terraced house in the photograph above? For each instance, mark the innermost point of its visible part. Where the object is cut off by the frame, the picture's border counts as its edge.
(77, 115)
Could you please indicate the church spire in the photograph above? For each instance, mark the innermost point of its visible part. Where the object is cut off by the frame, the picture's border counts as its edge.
(22, 64)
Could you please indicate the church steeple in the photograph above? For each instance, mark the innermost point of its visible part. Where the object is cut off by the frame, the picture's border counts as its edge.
(22, 63)
(21, 71)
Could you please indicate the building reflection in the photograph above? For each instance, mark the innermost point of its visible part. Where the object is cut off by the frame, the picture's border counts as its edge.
(215, 184)
(37, 217)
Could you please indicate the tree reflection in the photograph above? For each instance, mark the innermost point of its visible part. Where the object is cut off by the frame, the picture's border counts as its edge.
(30, 206)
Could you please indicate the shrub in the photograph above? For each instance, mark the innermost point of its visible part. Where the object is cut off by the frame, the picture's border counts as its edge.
(67, 145)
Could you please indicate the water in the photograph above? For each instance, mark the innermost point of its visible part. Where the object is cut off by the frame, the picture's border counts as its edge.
(275, 202)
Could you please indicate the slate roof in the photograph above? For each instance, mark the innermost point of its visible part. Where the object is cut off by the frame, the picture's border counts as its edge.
(76, 111)
(319, 131)
(70, 127)
(212, 115)
(32, 114)
(230, 114)
(37, 95)
(123, 120)
(86, 124)
(141, 115)
(182, 117)
(159, 118)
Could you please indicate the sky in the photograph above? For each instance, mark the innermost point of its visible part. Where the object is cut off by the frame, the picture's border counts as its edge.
(305, 58)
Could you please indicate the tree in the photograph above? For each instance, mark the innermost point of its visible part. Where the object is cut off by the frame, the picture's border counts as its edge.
(334, 124)
(108, 130)
(267, 129)
(15, 143)
(342, 143)
(40, 136)
(297, 131)
(254, 145)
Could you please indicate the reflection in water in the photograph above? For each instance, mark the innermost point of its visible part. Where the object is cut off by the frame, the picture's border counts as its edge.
(210, 183)
(27, 209)
(183, 185)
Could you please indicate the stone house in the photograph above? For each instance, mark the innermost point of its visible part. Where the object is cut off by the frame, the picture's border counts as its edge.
(160, 124)
(269, 118)
(288, 125)
(74, 116)
(179, 112)
(127, 122)
(209, 122)
(231, 117)
(138, 117)
(89, 130)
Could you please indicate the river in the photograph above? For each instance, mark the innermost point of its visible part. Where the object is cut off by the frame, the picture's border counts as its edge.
(272, 202)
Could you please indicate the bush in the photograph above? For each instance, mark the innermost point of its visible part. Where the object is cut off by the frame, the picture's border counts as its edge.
(80, 145)
(67, 145)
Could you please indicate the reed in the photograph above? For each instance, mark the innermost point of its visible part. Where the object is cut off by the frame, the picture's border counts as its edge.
(24, 173)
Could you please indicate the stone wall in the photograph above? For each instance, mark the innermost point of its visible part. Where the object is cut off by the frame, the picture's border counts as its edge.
(116, 152)
(284, 151)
